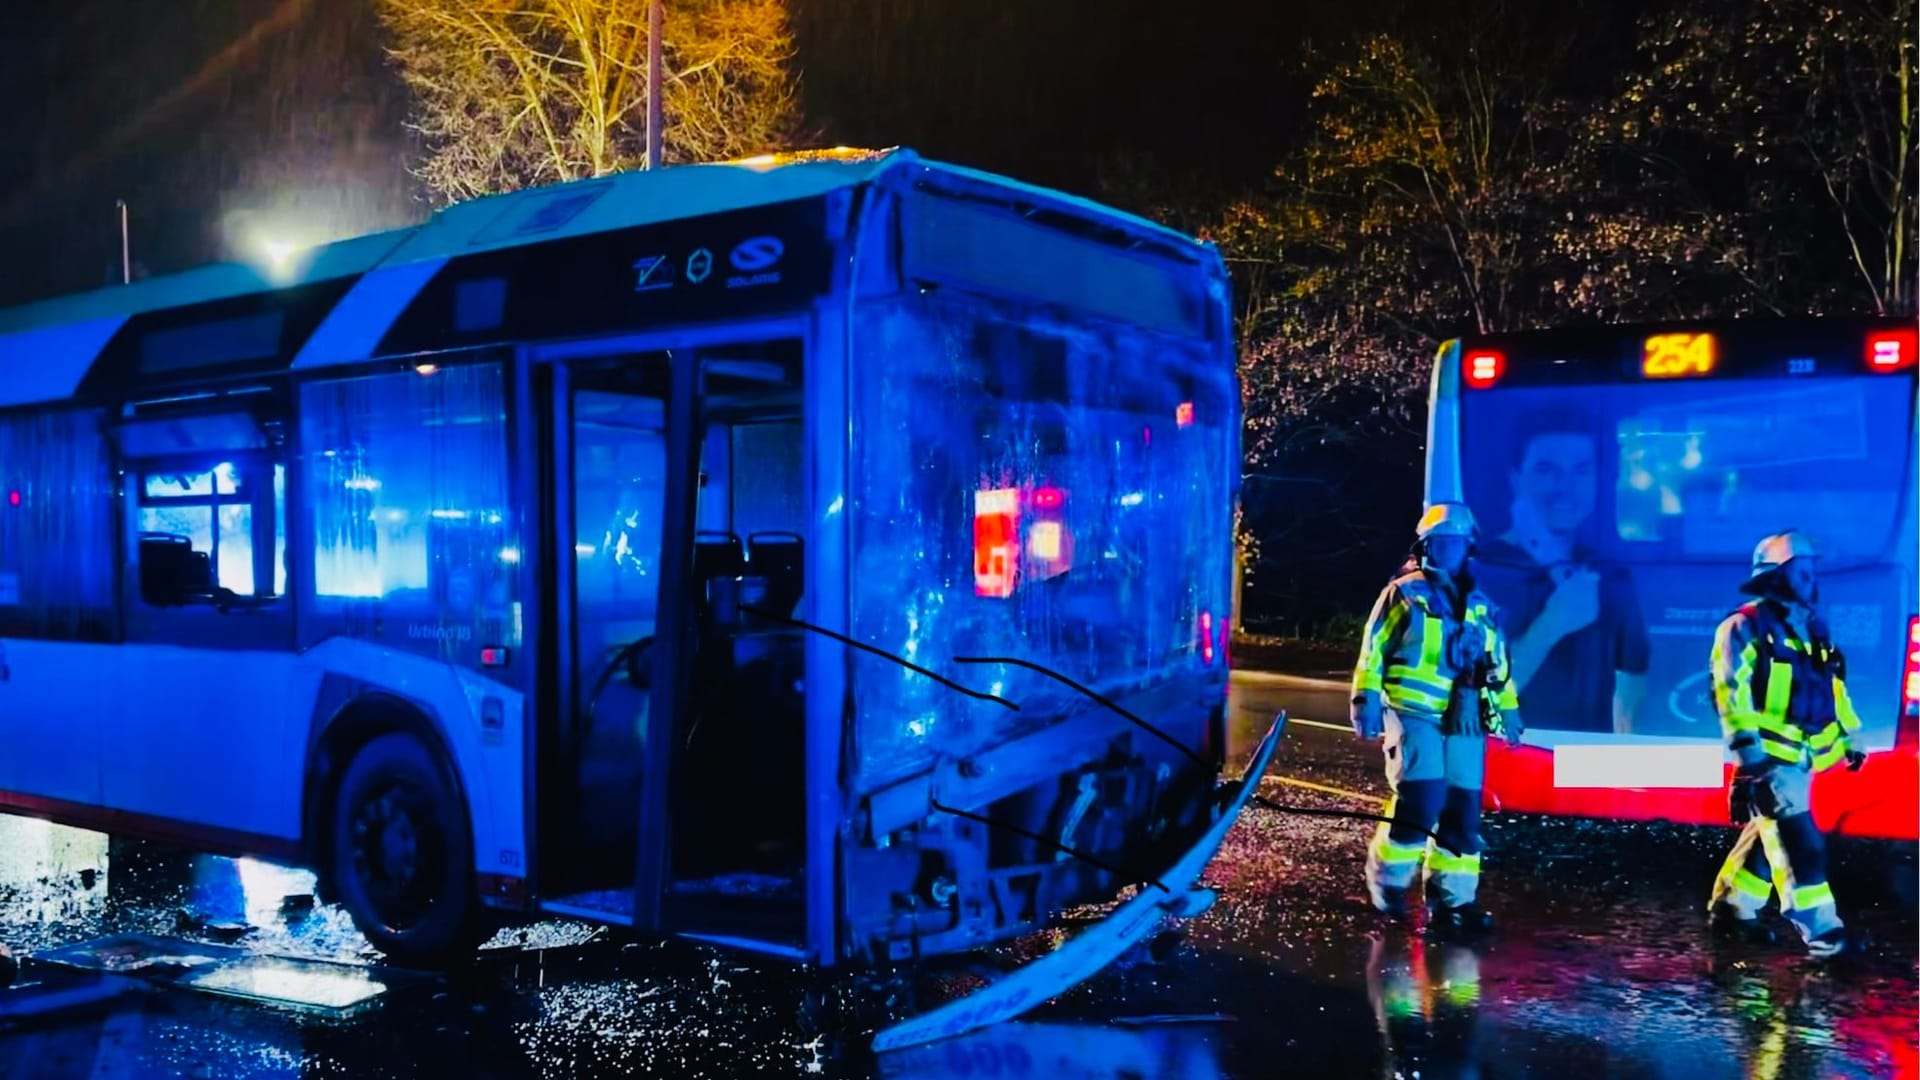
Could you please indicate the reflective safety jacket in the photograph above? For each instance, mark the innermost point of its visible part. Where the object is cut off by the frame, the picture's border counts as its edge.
(1418, 650)
(1780, 695)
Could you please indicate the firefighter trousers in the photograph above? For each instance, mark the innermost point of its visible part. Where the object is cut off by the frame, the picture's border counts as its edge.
(1780, 848)
(1436, 781)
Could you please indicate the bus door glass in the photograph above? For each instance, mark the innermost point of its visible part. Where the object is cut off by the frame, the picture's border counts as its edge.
(735, 758)
(612, 463)
(738, 768)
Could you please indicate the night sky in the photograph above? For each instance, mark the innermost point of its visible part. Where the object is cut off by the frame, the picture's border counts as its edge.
(219, 112)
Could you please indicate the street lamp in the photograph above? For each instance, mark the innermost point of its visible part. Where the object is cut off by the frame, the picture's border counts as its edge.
(278, 253)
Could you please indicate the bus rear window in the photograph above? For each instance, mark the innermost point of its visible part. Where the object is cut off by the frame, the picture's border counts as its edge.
(1693, 471)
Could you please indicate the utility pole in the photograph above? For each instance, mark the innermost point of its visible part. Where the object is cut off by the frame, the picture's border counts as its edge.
(656, 18)
(126, 251)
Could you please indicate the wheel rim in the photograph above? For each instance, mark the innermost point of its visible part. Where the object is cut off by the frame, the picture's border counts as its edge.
(394, 840)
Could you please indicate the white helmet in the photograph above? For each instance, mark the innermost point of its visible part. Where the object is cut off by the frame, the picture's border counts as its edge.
(1446, 519)
(1780, 549)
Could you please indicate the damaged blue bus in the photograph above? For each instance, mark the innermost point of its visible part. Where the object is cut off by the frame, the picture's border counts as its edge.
(828, 555)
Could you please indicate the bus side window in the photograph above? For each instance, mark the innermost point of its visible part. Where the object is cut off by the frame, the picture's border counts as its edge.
(211, 532)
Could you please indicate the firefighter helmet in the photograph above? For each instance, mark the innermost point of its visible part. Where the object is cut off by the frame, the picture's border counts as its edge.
(1446, 519)
(1778, 550)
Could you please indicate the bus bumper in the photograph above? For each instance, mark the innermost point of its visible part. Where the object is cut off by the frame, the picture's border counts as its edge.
(1882, 800)
(1086, 955)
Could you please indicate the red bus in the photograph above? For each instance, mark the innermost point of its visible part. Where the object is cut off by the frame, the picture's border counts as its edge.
(1622, 476)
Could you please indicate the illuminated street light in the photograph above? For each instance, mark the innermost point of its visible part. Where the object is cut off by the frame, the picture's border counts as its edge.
(278, 253)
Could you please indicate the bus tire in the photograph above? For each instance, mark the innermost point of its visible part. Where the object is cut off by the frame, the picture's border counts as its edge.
(400, 854)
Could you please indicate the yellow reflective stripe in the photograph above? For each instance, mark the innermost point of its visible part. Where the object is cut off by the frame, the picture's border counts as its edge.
(1405, 700)
(1812, 896)
(1366, 674)
(1752, 884)
(1508, 699)
(1462, 992)
(1392, 853)
(1782, 751)
(1825, 737)
(1443, 862)
(1779, 688)
(1430, 634)
(1843, 705)
(1777, 861)
(1771, 726)
(1828, 758)
(1417, 680)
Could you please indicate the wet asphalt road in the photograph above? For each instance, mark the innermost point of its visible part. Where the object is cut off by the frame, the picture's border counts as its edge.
(1600, 967)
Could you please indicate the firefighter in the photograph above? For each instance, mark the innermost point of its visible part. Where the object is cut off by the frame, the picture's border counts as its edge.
(1780, 688)
(1434, 678)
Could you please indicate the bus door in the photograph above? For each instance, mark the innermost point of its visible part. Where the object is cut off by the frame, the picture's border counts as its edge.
(673, 782)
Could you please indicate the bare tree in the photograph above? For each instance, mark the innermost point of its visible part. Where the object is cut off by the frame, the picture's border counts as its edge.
(1804, 115)
(514, 93)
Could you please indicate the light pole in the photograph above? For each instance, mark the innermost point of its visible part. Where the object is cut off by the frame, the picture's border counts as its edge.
(656, 18)
(126, 251)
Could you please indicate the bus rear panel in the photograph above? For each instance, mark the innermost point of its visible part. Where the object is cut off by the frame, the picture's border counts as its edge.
(1044, 433)
(1622, 477)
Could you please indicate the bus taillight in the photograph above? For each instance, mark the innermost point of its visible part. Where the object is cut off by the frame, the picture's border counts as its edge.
(1484, 368)
(1891, 350)
(1206, 637)
(1910, 680)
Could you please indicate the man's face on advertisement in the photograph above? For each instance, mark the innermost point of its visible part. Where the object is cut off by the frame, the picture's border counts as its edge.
(1556, 478)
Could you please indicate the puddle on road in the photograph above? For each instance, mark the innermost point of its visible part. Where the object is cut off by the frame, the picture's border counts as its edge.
(334, 988)
(1600, 967)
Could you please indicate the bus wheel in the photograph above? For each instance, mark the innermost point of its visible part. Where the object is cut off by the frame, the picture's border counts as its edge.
(400, 855)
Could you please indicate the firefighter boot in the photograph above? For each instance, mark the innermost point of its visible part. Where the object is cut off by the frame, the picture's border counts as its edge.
(1463, 921)
(1391, 902)
(1727, 924)
(1827, 945)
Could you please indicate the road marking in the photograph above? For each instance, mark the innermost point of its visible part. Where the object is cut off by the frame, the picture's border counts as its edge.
(1300, 682)
(1328, 789)
(1319, 724)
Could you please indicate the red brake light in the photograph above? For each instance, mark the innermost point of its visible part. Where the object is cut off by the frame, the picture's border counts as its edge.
(1891, 350)
(1910, 680)
(13, 498)
(1206, 637)
(996, 516)
(1183, 415)
(1484, 367)
(1048, 497)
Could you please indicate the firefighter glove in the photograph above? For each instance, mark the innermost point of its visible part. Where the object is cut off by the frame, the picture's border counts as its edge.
(1366, 715)
(1855, 759)
(1740, 800)
(1512, 727)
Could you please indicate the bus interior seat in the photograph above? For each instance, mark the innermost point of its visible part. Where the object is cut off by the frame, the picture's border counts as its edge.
(171, 571)
(780, 558)
(716, 560)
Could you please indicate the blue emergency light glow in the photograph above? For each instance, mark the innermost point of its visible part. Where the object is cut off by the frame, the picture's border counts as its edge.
(1667, 356)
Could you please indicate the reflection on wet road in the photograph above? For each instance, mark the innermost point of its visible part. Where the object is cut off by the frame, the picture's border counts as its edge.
(1600, 967)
